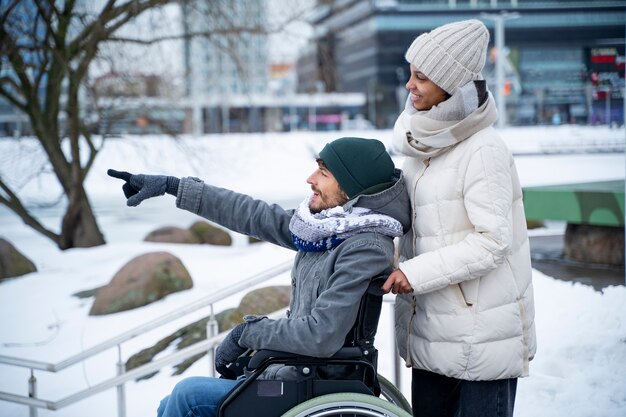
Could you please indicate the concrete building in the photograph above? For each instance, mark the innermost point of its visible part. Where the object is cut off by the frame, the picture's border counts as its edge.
(564, 58)
(226, 59)
(232, 85)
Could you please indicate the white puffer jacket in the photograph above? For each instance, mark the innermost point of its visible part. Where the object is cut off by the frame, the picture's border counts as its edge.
(471, 315)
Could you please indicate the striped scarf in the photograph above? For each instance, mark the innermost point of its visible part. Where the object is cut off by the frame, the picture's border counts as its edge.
(327, 229)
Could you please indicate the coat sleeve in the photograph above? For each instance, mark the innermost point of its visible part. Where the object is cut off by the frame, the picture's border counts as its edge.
(487, 197)
(323, 332)
(238, 212)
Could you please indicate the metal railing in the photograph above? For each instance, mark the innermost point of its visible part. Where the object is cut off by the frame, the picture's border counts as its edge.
(123, 375)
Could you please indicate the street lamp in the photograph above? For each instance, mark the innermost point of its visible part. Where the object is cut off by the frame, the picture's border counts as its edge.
(499, 20)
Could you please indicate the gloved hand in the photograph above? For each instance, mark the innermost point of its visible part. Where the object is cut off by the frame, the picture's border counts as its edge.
(141, 187)
(228, 351)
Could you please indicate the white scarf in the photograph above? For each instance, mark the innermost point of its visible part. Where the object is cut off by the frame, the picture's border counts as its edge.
(426, 134)
(324, 230)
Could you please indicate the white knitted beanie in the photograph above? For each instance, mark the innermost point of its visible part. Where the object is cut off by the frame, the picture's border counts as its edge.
(451, 55)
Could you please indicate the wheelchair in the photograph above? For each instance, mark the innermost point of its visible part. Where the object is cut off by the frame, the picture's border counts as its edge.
(346, 384)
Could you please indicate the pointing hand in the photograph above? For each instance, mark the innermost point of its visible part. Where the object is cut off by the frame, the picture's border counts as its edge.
(138, 188)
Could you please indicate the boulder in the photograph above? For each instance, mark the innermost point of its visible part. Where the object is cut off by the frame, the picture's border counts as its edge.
(171, 234)
(143, 280)
(207, 233)
(260, 301)
(12, 262)
(597, 244)
(534, 224)
(227, 319)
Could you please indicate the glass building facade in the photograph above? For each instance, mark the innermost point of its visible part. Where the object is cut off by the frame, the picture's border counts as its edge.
(226, 49)
(228, 60)
(564, 59)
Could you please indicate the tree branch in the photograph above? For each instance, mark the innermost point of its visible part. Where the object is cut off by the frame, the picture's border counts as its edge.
(13, 203)
(7, 12)
(9, 95)
(191, 35)
(98, 30)
(17, 63)
(93, 151)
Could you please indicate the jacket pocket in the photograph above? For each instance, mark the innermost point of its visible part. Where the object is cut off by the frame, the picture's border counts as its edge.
(469, 291)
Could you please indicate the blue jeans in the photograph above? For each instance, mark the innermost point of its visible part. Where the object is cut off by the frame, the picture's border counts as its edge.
(195, 396)
(435, 395)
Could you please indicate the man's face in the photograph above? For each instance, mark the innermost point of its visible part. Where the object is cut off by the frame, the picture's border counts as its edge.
(326, 190)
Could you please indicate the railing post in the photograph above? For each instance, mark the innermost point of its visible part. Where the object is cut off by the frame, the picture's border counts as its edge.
(32, 393)
(121, 392)
(212, 329)
(397, 377)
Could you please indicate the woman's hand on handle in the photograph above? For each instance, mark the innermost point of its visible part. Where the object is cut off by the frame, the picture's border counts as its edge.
(397, 283)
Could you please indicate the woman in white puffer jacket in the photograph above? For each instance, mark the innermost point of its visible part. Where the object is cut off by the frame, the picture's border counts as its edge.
(465, 310)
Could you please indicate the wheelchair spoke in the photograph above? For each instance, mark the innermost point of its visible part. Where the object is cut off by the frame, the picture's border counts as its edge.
(392, 394)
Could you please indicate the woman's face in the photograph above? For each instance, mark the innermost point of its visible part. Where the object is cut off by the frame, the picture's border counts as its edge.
(424, 94)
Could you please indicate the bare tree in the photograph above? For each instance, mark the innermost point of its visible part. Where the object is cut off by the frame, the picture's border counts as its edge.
(46, 48)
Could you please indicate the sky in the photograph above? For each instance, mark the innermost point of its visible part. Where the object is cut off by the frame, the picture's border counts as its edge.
(579, 369)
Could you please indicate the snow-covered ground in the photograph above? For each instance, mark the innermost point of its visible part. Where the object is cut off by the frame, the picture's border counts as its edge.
(579, 370)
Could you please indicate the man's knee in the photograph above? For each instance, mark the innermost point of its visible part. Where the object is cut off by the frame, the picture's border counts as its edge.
(162, 406)
(200, 391)
(188, 387)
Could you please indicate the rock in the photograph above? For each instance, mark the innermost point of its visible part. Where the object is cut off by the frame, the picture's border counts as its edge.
(261, 301)
(171, 234)
(265, 300)
(12, 262)
(206, 233)
(225, 319)
(534, 224)
(87, 293)
(143, 280)
(597, 244)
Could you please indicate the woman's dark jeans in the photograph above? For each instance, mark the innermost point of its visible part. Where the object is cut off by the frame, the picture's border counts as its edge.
(435, 395)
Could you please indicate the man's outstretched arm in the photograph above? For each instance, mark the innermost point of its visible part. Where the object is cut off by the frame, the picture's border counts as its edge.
(238, 212)
(235, 211)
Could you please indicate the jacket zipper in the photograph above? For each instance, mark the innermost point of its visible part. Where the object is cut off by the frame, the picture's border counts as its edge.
(409, 361)
(426, 164)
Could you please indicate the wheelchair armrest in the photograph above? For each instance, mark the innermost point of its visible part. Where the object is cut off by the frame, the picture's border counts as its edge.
(261, 356)
(375, 285)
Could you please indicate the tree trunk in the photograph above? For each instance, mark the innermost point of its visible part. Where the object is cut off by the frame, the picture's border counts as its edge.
(79, 228)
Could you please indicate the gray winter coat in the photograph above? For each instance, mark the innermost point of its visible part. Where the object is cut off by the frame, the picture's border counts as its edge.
(326, 286)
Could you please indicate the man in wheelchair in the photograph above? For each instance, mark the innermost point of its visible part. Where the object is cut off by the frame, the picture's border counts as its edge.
(343, 234)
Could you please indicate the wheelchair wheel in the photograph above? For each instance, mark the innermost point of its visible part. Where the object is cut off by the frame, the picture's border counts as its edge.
(346, 404)
(393, 394)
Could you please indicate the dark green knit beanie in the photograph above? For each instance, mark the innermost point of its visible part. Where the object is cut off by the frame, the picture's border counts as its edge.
(358, 164)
